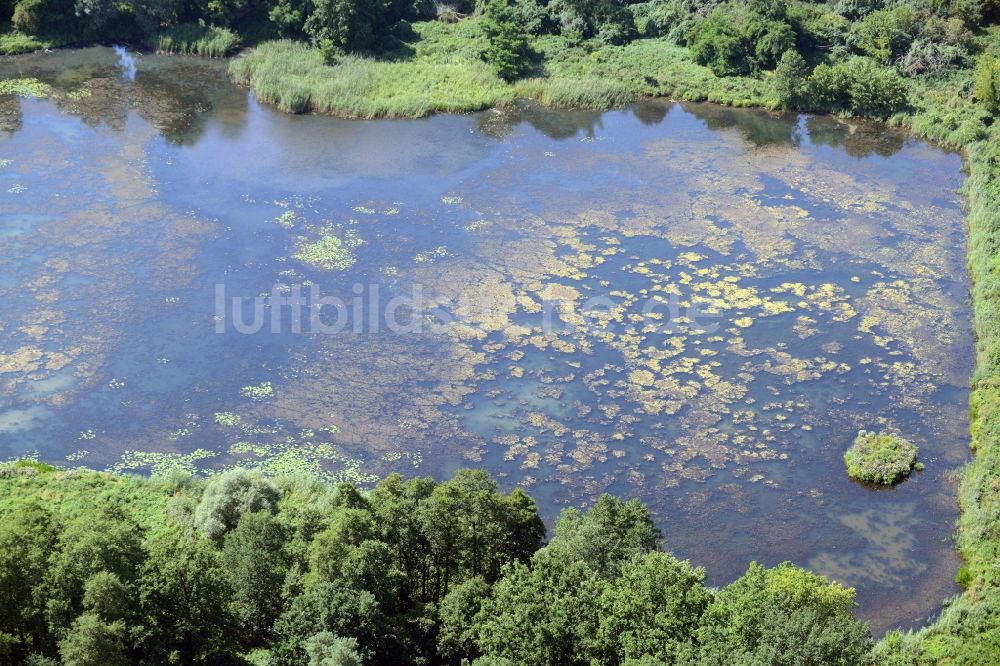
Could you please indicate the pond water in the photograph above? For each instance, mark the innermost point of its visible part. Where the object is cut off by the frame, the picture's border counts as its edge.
(692, 305)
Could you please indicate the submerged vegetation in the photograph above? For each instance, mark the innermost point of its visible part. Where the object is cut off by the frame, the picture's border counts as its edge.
(881, 458)
(104, 569)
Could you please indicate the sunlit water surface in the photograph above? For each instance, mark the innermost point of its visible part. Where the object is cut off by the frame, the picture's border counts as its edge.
(692, 305)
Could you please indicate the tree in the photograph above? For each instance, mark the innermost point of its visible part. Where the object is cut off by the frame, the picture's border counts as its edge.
(326, 649)
(987, 84)
(877, 92)
(609, 534)
(859, 86)
(370, 567)
(507, 48)
(545, 613)
(104, 540)
(738, 39)
(791, 80)
(884, 35)
(348, 529)
(347, 25)
(653, 609)
(105, 596)
(94, 642)
(471, 529)
(457, 636)
(230, 495)
(328, 607)
(185, 599)
(610, 20)
(395, 504)
(28, 536)
(783, 616)
(715, 42)
(256, 564)
(43, 17)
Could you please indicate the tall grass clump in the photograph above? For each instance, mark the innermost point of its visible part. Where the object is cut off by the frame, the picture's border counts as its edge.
(12, 43)
(198, 39)
(577, 93)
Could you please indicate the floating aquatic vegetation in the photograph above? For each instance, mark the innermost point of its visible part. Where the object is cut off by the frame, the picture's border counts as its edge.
(77, 456)
(227, 419)
(364, 210)
(116, 384)
(82, 93)
(160, 464)
(4, 163)
(17, 188)
(258, 391)
(26, 87)
(87, 434)
(452, 200)
(286, 220)
(478, 225)
(327, 251)
(430, 256)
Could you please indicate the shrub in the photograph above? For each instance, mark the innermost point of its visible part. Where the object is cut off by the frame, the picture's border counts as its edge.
(507, 44)
(42, 17)
(885, 34)
(533, 16)
(880, 458)
(855, 9)
(790, 81)
(927, 58)
(715, 43)
(228, 497)
(783, 615)
(608, 19)
(858, 86)
(876, 92)
(987, 83)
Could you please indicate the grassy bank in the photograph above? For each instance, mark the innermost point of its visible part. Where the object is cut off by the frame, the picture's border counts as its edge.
(13, 43)
(968, 630)
(441, 71)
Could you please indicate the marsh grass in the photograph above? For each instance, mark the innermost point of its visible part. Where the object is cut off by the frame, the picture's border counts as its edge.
(295, 77)
(12, 43)
(441, 71)
(197, 39)
(881, 458)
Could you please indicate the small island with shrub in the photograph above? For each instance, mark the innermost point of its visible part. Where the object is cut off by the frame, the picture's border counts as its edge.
(881, 458)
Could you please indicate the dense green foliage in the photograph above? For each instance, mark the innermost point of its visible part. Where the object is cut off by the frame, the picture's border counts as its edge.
(507, 43)
(98, 569)
(881, 458)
